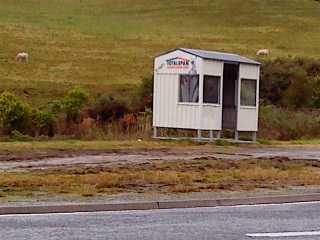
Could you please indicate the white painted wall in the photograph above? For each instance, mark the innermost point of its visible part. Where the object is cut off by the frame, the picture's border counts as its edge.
(167, 111)
(247, 119)
(212, 67)
(165, 99)
(161, 63)
(211, 118)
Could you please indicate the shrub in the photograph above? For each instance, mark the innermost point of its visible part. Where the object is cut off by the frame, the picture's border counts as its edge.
(14, 114)
(287, 124)
(315, 93)
(299, 93)
(17, 136)
(145, 94)
(109, 107)
(290, 82)
(44, 122)
(76, 99)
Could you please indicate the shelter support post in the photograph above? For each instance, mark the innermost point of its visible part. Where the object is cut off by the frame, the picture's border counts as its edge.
(210, 135)
(236, 135)
(218, 136)
(155, 132)
(199, 135)
(254, 136)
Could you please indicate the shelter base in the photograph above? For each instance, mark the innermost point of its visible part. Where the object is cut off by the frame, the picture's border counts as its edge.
(230, 135)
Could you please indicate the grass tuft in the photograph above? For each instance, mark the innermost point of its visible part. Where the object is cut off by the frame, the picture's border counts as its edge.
(167, 177)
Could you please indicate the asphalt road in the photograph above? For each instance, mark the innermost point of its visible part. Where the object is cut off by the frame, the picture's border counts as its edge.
(287, 221)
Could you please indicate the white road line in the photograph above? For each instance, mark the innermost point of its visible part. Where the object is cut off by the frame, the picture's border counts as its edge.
(268, 204)
(284, 234)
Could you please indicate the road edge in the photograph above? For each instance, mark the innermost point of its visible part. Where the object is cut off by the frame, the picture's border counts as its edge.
(69, 208)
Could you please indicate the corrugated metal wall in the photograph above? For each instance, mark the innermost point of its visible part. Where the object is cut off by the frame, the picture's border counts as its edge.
(165, 99)
(211, 118)
(212, 67)
(166, 111)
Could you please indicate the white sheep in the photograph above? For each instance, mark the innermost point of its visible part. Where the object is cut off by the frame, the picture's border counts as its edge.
(263, 52)
(22, 57)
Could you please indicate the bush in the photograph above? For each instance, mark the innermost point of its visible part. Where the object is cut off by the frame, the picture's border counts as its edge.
(109, 107)
(315, 93)
(299, 93)
(76, 99)
(144, 95)
(277, 123)
(14, 114)
(44, 122)
(17, 136)
(290, 82)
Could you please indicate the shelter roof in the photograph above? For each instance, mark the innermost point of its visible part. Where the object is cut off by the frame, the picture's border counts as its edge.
(222, 56)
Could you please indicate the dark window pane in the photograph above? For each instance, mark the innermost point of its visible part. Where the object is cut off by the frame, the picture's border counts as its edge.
(211, 89)
(248, 92)
(189, 88)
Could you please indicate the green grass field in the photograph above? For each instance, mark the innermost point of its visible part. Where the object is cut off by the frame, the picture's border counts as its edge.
(106, 44)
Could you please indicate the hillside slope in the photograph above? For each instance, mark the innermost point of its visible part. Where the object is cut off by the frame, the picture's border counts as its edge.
(103, 44)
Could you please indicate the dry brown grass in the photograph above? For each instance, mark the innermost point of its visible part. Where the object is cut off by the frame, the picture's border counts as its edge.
(88, 191)
(2, 194)
(167, 177)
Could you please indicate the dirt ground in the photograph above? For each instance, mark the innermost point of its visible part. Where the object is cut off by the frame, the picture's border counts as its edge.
(68, 159)
(51, 158)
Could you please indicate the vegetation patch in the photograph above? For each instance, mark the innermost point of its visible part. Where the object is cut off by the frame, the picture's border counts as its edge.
(198, 175)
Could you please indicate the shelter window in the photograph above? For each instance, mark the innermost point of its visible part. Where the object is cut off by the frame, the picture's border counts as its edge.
(248, 92)
(188, 88)
(211, 89)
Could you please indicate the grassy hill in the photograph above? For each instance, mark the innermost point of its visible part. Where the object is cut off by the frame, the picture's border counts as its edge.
(103, 45)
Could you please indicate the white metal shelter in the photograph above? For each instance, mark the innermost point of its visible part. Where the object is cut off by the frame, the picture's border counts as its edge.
(205, 90)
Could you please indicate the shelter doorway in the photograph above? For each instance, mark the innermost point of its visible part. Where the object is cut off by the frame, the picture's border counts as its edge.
(230, 95)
